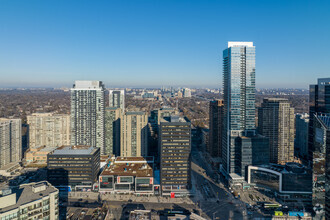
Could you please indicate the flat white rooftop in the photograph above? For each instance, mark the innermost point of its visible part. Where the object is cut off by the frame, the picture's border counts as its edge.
(239, 44)
(84, 84)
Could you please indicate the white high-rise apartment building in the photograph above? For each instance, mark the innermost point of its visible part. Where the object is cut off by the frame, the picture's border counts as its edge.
(48, 129)
(10, 141)
(87, 114)
(117, 99)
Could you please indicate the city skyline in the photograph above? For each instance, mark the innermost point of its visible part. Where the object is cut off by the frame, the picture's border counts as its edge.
(50, 44)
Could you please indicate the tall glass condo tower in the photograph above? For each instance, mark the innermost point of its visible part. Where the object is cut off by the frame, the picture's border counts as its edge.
(239, 98)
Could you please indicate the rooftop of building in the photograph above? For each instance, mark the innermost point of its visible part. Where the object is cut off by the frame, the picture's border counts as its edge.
(75, 150)
(174, 118)
(323, 81)
(276, 100)
(239, 44)
(290, 167)
(89, 85)
(104, 158)
(26, 193)
(218, 102)
(111, 108)
(8, 119)
(129, 166)
(135, 113)
(116, 90)
(42, 149)
(46, 114)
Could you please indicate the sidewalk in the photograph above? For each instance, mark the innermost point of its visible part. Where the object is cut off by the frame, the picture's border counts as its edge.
(132, 198)
(146, 198)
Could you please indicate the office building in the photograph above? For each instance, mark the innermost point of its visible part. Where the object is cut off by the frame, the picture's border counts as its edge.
(252, 149)
(186, 93)
(87, 114)
(175, 158)
(318, 104)
(10, 142)
(320, 142)
(30, 201)
(48, 129)
(216, 128)
(276, 121)
(134, 134)
(112, 130)
(132, 175)
(239, 99)
(327, 180)
(301, 138)
(157, 114)
(76, 167)
(290, 183)
(117, 99)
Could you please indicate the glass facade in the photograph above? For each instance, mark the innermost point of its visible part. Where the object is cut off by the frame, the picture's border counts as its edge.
(239, 97)
(106, 182)
(265, 179)
(143, 184)
(297, 182)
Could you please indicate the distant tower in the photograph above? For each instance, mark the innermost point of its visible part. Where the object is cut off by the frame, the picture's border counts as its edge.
(186, 93)
(10, 141)
(301, 139)
(87, 114)
(276, 121)
(239, 99)
(117, 99)
(216, 127)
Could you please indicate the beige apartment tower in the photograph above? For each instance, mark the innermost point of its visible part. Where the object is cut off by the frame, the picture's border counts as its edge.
(10, 141)
(48, 129)
(276, 121)
(134, 134)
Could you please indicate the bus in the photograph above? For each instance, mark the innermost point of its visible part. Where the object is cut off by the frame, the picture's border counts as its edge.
(272, 205)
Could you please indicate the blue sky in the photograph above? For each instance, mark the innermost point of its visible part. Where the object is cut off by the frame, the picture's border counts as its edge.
(150, 43)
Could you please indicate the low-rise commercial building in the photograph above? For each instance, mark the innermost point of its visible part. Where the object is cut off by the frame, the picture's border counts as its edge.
(75, 167)
(291, 183)
(127, 175)
(30, 201)
(38, 155)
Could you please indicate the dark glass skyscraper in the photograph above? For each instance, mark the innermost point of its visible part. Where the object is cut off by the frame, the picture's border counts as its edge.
(216, 125)
(239, 98)
(319, 103)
